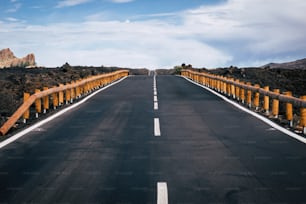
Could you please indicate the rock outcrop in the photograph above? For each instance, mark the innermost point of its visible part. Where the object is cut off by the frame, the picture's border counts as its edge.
(298, 64)
(8, 59)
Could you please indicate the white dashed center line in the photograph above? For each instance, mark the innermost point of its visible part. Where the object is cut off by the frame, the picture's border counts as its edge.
(155, 105)
(156, 127)
(155, 99)
(162, 193)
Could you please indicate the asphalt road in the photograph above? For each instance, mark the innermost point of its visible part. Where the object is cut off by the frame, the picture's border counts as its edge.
(107, 151)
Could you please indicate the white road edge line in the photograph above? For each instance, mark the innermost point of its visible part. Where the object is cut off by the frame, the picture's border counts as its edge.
(29, 129)
(162, 193)
(156, 127)
(260, 117)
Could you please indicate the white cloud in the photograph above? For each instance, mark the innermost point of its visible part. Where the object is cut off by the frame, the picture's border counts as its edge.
(121, 1)
(143, 44)
(237, 32)
(11, 19)
(68, 3)
(258, 28)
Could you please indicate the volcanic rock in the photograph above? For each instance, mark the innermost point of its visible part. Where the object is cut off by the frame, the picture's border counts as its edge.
(8, 59)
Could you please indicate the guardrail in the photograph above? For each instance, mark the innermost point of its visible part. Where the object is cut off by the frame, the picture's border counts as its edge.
(59, 95)
(248, 94)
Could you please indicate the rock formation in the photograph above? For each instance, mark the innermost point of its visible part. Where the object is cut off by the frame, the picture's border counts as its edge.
(8, 59)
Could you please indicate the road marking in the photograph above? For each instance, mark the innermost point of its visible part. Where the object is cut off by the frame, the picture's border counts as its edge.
(162, 193)
(155, 99)
(260, 117)
(155, 105)
(155, 93)
(39, 124)
(156, 127)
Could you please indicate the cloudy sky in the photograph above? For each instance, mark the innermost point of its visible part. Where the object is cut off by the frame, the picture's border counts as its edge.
(155, 33)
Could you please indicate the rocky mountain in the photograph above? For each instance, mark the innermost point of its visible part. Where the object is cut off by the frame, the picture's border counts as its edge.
(298, 64)
(8, 59)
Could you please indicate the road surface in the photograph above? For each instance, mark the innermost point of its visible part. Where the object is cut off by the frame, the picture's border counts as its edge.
(140, 141)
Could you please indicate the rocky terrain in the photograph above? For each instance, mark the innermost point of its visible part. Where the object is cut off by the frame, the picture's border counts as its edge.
(8, 59)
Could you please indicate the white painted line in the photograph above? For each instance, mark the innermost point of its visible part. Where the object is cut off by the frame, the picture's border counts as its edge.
(260, 117)
(155, 99)
(155, 93)
(162, 193)
(31, 128)
(156, 127)
(155, 106)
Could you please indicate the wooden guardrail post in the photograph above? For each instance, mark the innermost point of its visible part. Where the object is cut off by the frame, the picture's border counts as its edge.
(303, 116)
(218, 85)
(202, 80)
(242, 94)
(61, 96)
(289, 110)
(72, 93)
(266, 101)
(229, 89)
(37, 104)
(275, 106)
(67, 95)
(237, 90)
(55, 99)
(26, 114)
(249, 96)
(233, 89)
(256, 97)
(46, 101)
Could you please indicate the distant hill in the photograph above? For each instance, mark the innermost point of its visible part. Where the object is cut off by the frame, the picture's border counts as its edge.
(8, 59)
(298, 64)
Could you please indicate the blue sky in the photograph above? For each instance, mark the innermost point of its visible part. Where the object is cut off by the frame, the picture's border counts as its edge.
(155, 33)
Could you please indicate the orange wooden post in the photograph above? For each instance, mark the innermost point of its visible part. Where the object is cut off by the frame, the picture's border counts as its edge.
(237, 90)
(249, 96)
(68, 95)
(55, 99)
(61, 96)
(303, 117)
(233, 89)
(256, 98)
(266, 101)
(229, 91)
(46, 101)
(72, 93)
(275, 106)
(289, 110)
(37, 104)
(26, 114)
(225, 87)
(242, 94)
